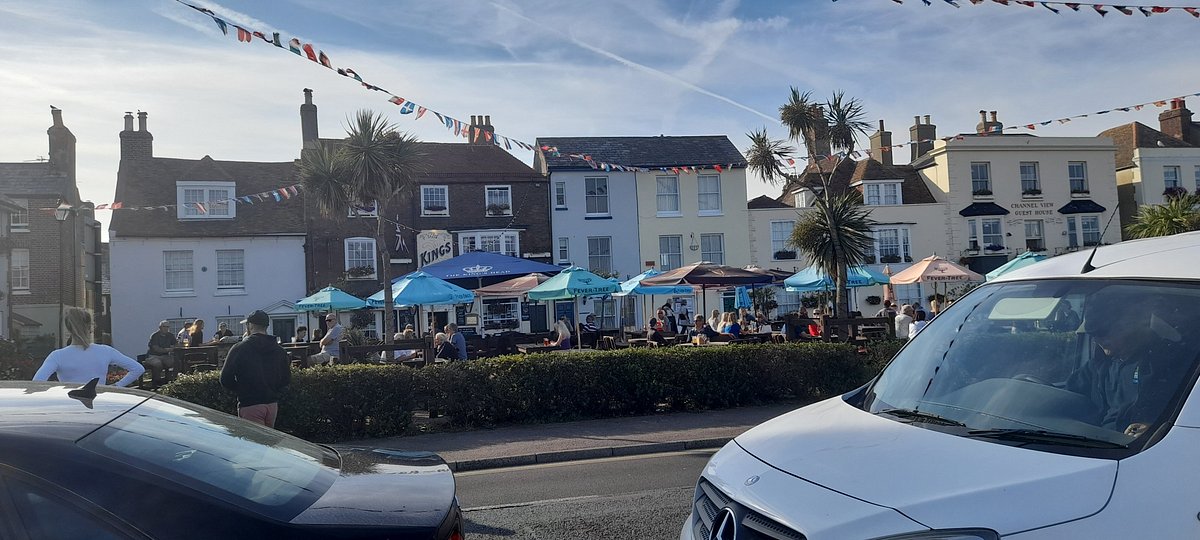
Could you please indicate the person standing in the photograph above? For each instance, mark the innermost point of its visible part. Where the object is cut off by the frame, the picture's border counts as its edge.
(562, 331)
(82, 361)
(904, 320)
(668, 318)
(456, 338)
(257, 370)
(159, 357)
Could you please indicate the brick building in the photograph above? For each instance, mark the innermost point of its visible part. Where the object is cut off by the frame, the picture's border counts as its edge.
(51, 263)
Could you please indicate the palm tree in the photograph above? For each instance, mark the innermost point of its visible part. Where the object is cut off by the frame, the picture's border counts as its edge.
(1179, 214)
(373, 166)
(837, 122)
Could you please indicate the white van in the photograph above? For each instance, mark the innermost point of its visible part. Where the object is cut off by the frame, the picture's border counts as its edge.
(1055, 402)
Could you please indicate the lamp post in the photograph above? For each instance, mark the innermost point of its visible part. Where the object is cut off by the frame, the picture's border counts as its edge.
(61, 213)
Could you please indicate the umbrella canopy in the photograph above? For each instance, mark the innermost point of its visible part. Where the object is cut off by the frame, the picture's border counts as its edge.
(573, 282)
(742, 299)
(814, 279)
(634, 285)
(776, 275)
(706, 273)
(330, 299)
(514, 287)
(421, 289)
(481, 264)
(1021, 261)
(934, 269)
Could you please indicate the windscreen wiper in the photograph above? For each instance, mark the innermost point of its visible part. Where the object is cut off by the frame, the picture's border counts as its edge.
(920, 416)
(1043, 436)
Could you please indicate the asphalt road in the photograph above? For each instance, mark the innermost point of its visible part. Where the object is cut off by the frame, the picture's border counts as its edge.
(636, 497)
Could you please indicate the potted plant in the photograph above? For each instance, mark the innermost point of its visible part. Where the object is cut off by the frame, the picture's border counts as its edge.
(874, 300)
(994, 247)
(498, 209)
(1032, 192)
(359, 272)
(434, 209)
(1079, 191)
(888, 259)
(907, 258)
(1174, 192)
(785, 254)
(981, 192)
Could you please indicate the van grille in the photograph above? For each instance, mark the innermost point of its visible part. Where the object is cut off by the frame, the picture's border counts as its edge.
(750, 524)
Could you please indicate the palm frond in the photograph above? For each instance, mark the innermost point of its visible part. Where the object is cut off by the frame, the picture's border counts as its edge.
(845, 119)
(802, 117)
(323, 171)
(839, 220)
(1177, 215)
(764, 157)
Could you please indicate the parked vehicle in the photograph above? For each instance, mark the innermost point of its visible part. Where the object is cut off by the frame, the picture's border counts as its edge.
(1057, 401)
(121, 463)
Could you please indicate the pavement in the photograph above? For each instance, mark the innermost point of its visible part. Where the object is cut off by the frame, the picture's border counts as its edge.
(513, 446)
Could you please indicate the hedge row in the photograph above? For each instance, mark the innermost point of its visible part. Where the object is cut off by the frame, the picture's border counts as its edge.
(339, 403)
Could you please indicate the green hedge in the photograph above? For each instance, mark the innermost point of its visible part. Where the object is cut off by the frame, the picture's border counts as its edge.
(339, 403)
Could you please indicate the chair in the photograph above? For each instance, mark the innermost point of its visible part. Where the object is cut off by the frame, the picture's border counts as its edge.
(606, 343)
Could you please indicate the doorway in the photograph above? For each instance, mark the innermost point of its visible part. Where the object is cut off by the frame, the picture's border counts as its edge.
(537, 318)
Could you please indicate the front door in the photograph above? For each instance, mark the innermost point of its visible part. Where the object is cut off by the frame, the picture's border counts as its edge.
(537, 318)
(284, 328)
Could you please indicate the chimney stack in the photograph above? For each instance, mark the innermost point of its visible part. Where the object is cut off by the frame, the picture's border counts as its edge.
(136, 145)
(62, 146)
(881, 145)
(988, 127)
(481, 131)
(308, 121)
(922, 135)
(1177, 122)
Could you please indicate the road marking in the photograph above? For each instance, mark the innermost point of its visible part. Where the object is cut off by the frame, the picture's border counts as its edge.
(573, 499)
(593, 461)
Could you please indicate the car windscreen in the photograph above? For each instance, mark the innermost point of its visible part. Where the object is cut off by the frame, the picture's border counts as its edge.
(1077, 366)
(246, 464)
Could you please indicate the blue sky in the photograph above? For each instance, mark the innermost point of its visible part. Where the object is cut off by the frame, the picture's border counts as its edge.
(564, 68)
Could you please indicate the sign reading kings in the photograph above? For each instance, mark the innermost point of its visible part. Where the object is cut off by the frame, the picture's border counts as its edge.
(434, 246)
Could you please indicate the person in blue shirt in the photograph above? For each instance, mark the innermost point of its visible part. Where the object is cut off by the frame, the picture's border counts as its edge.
(456, 338)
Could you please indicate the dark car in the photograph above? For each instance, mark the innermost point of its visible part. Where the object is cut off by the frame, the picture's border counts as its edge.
(132, 464)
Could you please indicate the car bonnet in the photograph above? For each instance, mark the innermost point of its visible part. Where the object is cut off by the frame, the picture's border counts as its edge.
(938, 479)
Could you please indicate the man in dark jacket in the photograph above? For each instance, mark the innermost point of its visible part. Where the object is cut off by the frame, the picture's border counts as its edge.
(257, 370)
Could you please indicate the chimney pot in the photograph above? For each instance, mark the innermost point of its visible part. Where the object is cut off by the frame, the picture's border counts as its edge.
(916, 120)
(56, 115)
(308, 96)
(993, 116)
(881, 125)
(927, 119)
(487, 120)
(128, 121)
(983, 116)
(141, 121)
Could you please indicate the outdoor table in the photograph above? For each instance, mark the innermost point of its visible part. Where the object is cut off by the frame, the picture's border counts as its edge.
(299, 352)
(187, 358)
(526, 348)
(709, 344)
(638, 342)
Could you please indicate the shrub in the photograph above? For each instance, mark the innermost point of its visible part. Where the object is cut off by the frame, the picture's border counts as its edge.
(335, 403)
(15, 364)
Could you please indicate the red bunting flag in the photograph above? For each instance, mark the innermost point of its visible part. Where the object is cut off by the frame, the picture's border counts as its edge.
(117, 206)
(1072, 6)
(1158, 9)
(1100, 9)
(717, 167)
(244, 35)
(1195, 12)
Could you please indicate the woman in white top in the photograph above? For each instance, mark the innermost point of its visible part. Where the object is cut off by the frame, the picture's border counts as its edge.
(562, 329)
(401, 355)
(82, 361)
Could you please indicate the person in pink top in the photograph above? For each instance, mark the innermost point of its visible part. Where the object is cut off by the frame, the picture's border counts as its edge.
(82, 360)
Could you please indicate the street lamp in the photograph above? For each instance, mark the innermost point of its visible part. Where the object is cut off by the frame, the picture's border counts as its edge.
(61, 213)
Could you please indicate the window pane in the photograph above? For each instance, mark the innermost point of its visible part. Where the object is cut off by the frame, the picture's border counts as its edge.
(600, 254)
(1072, 233)
(991, 233)
(230, 269)
(712, 248)
(178, 270)
(434, 200)
(670, 249)
(780, 232)
(360, 254)
(1077, 174)
(560, 194)
(499, 200)
(45, 516)
(981, 177)
(564, 252)
(19, 220)
(1090, 226)
(891, 193)
(218, 202)
(1029, 176)
(20, 268)
(888, 242)
(710, 193)
(596, 195)
(873, 195)
(190, 198)
(1171, 176)
(1034, 235)
(668, 193)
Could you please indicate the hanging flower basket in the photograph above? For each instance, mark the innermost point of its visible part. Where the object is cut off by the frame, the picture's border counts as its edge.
(785, 255)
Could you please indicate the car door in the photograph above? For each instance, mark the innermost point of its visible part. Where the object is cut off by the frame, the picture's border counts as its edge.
(33, 509)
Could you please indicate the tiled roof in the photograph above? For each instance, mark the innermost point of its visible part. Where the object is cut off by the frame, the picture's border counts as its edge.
(20, 179)
(762, 201)
(649, 152)
(152, 183)
(847, 173)
(1139, 135)
(461, 159)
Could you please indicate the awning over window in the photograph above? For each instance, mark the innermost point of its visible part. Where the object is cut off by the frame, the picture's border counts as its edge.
(983, 209)
(1081, 206)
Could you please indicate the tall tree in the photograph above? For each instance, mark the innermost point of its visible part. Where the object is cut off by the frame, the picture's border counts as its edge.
(822, 127)
(374, 166)
(1177, 215)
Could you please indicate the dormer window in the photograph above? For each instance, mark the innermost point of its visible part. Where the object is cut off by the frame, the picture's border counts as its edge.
(882, 193)
(205, 200)
(803, 198)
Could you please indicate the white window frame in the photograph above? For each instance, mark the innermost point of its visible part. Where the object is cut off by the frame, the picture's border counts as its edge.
(981, 177)
(1172, 176)
(360, 244)
(707, 200)
(19, 273)
(600, 254)
(975, 232)
(594, 210)
(231, 270)
(216, 196)
(426, 192)
(560, 195)
(803, 198)
(781, 232)
(511, 308)
(504, 242)
(882, 194)
(489, 192)
(362, 211)
(1081, 179)
(19, 221)
(184, 267)
(1038, 233)
(670, 198)
(669, 259)
(564, 250)
(1077, 236)
(712, 247)
(903, 244)
(1031, 178)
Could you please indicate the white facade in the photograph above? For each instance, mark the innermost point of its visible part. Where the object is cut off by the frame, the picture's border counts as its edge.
(686, 218)
(594, 216)
(188, 278)
(1156, 169)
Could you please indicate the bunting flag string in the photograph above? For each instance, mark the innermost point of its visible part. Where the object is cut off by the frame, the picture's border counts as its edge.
(408, 107)
(205, 207)
(1126, 9)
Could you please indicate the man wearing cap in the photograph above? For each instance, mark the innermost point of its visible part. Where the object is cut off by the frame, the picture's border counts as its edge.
(331, 347)
(257, 370)
(159, 357)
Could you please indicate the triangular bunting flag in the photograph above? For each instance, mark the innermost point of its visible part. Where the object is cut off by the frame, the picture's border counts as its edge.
(244, 35)
(117, 206)
(1124, 10)
(421, 112)
(294, 46)
(1047, 6)
(1100, 9)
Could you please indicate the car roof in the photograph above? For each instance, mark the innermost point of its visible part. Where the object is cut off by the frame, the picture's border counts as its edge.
(1173, 257)
(46, 409)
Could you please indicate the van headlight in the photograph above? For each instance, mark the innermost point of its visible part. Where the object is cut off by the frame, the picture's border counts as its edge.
(946, 534)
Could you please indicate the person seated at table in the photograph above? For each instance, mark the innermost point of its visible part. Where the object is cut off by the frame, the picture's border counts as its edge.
(443, 350)
(223, 331)
(919, 322)
(403, 355)
(589, 323)
(159, 359)
(701, 328)
(184, 334)
(814, 326)
(196, 336)
(731, 326)
(562, 333)
(714, 320)
(301, 335)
